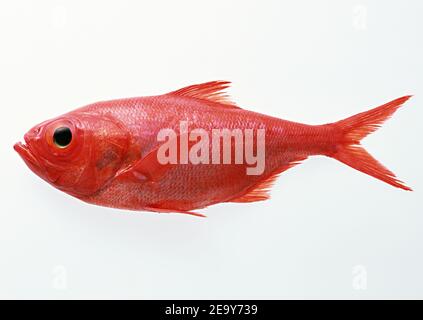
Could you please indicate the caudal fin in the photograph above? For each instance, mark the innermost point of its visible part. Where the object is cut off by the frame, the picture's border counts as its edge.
(355, 128)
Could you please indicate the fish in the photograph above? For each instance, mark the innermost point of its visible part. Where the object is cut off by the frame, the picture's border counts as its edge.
(110, 153)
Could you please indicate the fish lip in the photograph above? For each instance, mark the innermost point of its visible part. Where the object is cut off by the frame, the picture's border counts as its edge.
(26, 154)
(24, 150)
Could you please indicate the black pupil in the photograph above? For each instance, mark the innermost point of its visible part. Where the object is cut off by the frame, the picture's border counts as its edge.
(62, 136)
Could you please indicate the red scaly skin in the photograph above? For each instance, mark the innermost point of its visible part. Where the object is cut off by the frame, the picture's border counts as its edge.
(111, 137)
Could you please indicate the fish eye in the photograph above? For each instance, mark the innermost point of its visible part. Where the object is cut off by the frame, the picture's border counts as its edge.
(62, 137)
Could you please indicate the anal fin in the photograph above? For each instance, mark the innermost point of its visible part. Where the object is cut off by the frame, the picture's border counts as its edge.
(261, 190)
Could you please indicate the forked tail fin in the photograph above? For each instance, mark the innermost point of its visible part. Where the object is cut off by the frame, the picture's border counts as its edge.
(355, 128)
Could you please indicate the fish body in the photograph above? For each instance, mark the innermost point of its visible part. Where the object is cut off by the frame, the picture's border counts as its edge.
(112, 158)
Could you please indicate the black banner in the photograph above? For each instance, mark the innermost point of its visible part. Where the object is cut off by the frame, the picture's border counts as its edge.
(211, 309)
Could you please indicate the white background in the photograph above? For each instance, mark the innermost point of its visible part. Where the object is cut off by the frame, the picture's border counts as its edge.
(328, 232)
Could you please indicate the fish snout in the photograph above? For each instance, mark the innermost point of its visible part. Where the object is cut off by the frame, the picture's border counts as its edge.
(33, 135)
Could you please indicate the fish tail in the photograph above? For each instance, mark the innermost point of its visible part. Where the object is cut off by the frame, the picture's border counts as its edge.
(353, 129)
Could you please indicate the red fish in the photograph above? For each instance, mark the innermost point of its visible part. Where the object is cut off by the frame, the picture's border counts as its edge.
(106, 153)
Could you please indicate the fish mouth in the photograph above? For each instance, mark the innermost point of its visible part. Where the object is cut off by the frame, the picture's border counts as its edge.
(24, 150)
(26, 154)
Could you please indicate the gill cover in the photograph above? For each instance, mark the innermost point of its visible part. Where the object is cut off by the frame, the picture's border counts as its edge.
(79, 152)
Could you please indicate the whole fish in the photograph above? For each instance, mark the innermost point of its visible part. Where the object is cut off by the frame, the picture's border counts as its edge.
(107, 153)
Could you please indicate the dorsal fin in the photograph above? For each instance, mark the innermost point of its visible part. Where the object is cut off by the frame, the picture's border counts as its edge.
(260, 191)
(211, 91)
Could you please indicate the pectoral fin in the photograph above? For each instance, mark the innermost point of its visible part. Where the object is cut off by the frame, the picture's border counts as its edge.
(149, 168)
(146, 169)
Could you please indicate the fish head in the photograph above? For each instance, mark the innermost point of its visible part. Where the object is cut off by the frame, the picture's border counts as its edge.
(77, 153)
